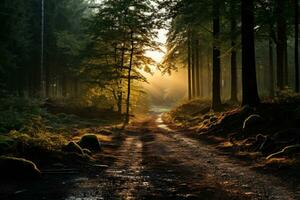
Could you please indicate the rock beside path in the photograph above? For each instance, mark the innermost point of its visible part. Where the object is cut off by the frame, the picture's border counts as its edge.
(18, 168)
(90, 142)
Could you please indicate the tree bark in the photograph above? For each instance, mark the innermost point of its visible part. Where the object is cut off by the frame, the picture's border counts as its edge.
(281, 40)
(233, 56)
(189, 67)
(209, 74)
(127, 117)
(197, 59)
(271, 67)
(201, 71)
(296, 45)
(194, 75)
(216, 96)
(250, 93)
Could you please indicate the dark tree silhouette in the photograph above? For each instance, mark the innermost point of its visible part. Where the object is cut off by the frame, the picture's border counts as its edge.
(216, 97)
(250, 94)
(296, 45)
(281, 44)
(233, 53)
(189, 66)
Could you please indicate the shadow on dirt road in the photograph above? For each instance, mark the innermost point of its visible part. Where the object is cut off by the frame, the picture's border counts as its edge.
(155, 162)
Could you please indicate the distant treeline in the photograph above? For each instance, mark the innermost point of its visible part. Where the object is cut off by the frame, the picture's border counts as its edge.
(77, 48)
(233, 49)
(21, 35)
(215, 39)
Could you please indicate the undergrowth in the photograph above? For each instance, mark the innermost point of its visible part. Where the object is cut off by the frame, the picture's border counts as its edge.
(26, 126)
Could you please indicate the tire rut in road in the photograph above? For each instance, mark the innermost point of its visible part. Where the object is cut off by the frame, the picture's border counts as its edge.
(229, 173)
(126, 171)
(122, 180)
(170, 175)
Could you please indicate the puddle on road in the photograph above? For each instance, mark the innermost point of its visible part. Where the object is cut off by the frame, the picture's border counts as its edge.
(160, 123)
(85, 198)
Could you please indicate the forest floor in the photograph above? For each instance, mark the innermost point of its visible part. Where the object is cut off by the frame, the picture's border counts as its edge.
(149, 160)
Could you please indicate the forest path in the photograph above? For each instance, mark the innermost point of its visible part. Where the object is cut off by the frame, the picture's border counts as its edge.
(152, 161)
(157, 163)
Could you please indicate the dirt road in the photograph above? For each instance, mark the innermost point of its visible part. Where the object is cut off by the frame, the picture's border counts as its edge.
(155, 162)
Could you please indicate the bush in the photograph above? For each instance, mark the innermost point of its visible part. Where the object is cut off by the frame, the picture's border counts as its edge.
(38, 140)
(6, 144)
(16, 111)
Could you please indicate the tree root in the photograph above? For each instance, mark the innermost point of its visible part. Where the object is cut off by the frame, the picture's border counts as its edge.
(289, 150)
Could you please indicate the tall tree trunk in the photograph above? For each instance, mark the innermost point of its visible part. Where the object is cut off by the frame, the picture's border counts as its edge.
(296, 45)
(194, 89)
(233, 74)
(233, 56)
(281, 40)
(201, 66)
(189, 67)
(64, 85)
(120, 89)
(209, 74)
(197, 68)
(76, 87)
(216, 96)
(250, 93)
(271, 67)
(118, 93)
(286, 65)
(127, 117)
(42, 68)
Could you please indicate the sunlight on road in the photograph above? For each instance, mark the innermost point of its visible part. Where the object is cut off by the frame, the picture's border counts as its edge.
(160, 123)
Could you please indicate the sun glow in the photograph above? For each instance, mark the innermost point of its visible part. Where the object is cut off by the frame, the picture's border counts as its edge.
(157, 56)
(164, 89)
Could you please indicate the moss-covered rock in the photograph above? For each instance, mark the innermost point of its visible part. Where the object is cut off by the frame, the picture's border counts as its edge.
(18, 168)
(90, 142)
(6, 144)
(72, 147)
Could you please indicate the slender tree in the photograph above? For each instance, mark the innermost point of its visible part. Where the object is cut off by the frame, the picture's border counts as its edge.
(281, 44)
(189, 68)
(233, 59)
(296, 45)
(271, 67)
(194, 72)
(197, 64)
(129, 76)
(216, 94)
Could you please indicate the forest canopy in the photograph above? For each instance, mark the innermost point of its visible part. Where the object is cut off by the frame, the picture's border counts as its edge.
(95, 51)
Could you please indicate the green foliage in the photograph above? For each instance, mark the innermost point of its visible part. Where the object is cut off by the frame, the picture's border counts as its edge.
(15, 112)
(287, 96)
(120, 33)
(70, 44)
(20, 43)
(39, 140)
(6, 144)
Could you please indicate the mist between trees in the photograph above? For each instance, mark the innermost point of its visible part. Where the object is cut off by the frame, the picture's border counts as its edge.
(94, 51)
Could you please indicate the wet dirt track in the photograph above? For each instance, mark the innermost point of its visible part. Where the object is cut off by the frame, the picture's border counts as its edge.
(155, 162)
